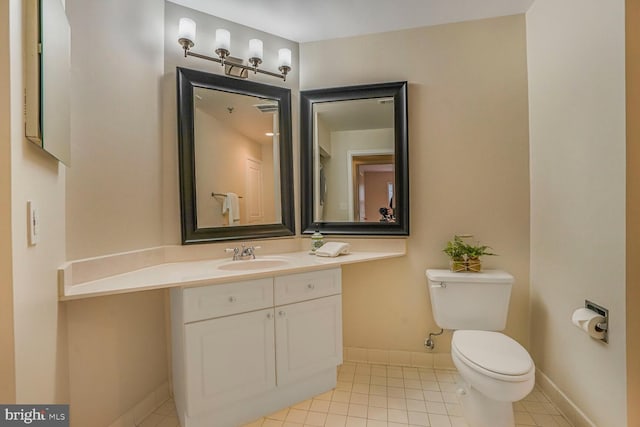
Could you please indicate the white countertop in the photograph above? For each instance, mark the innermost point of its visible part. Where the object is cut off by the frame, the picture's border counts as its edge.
(206, 272)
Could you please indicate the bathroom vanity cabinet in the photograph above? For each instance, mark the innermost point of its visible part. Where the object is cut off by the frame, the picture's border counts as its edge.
(245, 349)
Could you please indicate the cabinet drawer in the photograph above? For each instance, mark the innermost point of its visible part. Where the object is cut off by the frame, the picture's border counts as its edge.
(305, 286)
(231, 298)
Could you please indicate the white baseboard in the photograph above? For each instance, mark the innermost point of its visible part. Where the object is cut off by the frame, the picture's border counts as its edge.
(569, 409)
(134, 416)
(398, 358)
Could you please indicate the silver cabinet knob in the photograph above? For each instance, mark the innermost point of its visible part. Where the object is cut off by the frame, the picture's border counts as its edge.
(232, 299)
(281, 313)
(269, 315)
(311, 286)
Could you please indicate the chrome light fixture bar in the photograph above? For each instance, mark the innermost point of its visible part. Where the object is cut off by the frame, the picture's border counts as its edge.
(187, 35)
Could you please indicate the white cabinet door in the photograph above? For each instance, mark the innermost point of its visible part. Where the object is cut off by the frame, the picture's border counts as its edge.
(308, 338)
(229, 359)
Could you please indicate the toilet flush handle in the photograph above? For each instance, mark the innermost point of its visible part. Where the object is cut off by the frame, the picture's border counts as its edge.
(439, 285)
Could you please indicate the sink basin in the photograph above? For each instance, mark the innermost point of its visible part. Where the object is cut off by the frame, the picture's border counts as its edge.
(253, 264)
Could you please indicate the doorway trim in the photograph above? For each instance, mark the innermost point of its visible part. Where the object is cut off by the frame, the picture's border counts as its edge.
(357, 153)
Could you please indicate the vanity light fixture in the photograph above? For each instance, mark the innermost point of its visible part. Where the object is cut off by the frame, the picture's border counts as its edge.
(222, 45)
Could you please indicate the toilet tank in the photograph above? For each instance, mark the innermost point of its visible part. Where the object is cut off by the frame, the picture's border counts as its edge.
(470, 300)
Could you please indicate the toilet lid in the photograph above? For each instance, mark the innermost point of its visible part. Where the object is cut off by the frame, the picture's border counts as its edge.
(493, 351)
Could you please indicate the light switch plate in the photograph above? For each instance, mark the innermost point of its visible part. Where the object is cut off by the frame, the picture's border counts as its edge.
(33, 223)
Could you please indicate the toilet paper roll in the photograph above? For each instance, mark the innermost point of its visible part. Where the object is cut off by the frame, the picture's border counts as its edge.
(587, 320)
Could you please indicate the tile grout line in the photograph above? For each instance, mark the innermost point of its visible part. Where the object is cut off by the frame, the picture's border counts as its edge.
(410, 396)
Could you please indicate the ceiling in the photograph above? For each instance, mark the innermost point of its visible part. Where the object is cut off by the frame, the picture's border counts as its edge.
(312, 20)
(358, 114)
(240, 112)
(243, 115)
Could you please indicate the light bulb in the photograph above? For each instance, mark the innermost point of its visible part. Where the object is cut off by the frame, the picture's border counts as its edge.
(284, 58)
(187, 29)
(255, 49)
(186, 34)
(223, 40)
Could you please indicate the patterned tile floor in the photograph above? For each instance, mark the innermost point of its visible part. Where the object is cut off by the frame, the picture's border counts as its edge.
(385, 396)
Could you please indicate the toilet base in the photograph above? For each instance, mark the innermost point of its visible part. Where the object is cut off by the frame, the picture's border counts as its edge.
(480, 411)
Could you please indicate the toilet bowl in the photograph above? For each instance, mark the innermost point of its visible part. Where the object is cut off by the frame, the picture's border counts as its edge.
(495, 371)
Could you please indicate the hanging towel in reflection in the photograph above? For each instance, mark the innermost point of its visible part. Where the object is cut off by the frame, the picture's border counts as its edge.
(231, 206)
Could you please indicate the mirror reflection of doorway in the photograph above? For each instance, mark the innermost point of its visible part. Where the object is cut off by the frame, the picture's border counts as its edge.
(254, 205)
(373, 183)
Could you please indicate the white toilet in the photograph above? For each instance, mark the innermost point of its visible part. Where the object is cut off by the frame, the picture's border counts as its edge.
(495, 369)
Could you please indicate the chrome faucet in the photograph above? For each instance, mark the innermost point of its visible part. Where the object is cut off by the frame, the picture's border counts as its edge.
(243, 253)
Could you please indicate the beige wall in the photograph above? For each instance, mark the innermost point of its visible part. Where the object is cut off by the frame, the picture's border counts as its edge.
(111, 369)
(577, 132)
(38, 325)
(117, 346)
(468, 150)
(633, 209)
(7, 360)
(114, 187)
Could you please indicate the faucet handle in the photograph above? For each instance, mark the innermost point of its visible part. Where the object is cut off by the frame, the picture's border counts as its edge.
(236, 252)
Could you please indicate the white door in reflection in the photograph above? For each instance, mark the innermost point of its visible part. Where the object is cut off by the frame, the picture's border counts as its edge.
(254, 191)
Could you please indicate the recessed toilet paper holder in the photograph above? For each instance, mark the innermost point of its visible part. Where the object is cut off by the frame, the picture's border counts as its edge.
(603, 326)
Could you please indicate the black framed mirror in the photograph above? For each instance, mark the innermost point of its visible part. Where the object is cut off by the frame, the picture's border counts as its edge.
(354, 160)
(235, 155)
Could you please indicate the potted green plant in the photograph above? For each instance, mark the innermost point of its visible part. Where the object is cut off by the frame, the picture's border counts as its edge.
(473, 254)
(456, 250)
(465, 256)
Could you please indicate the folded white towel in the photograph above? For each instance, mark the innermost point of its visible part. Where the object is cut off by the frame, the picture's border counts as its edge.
(333, 249)
(232, 206)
